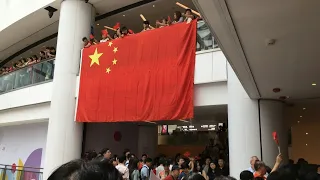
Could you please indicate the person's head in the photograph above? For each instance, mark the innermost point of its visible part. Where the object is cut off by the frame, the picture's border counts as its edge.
(260, 167)
(166, 166)
(124, 30)
(246, 175)
(208, 160)
(42, 53)
(122, 159)
(144, 157)
(106, 153)
(162, 161)
(198, 167)
(196, 177)
(175, 171)
(180, 161)
(52, 49)
(84, 40)
(126, 152)
(253, 160)
(164, 20)
(115, 36)
(148, 162)
(212, 166)
(146, 24)
(133, 164)
(177, 15)
(188, 12)
(81, 170)
(221, 162)
(185, 167)
(34, 57)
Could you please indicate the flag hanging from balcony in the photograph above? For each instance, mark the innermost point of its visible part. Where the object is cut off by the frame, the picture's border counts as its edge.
(143, 77)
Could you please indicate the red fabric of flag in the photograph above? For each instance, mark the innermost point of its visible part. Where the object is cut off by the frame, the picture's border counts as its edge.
(144, 77)
(275, 137)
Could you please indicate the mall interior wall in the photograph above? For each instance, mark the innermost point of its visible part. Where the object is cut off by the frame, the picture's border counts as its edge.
(23, 144)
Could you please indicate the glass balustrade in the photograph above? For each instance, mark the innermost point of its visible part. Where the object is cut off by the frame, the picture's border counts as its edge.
(43, 71)
(30, 75)
(13, 172)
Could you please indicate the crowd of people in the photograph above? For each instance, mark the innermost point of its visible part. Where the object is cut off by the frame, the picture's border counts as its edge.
(105, 166)
(48, 53)
(178, 17)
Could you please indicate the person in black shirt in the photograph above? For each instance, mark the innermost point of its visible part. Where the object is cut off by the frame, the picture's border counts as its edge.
(222, 170)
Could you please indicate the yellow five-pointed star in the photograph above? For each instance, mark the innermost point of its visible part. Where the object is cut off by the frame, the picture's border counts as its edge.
(114, 61)
(95, 57)
(115, 49)
(110, 44)
(108, 70)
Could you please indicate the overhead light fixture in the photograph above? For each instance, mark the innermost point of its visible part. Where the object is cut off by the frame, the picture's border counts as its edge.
(204, 126)
(153, 5)
(98, 24)
(304, 108)
(307, 133)
(124, 15)
(306, 144)
(313, 84)
(191, 126)
(298, 121)
(301, 116)
(185, 127)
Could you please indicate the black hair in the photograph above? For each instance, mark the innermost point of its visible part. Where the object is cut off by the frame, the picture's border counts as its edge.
(122, 159)
(146, 22)
(133, 165)
(188, 10)
(246, 175)
(35, 56)
(178, 14)
(196, 177)
(124, 29)
(185, 165)
(83, 39)
(125, 151)
(144, 155)
(147, 160)
(42, 52)
(81, 170)
(103, 151)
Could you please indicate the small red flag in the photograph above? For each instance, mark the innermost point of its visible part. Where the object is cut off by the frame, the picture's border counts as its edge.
(104, 32)
(117, 26)
(275, 137)
(187, 154)
(169, 18)
(130, 31)
(91, 36)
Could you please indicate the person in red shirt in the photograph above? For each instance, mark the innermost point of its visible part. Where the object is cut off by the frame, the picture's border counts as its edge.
(175, 171)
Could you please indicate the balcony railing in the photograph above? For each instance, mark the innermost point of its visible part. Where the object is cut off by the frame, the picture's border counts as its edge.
(10, 172)
(26, 76)
(43, 71)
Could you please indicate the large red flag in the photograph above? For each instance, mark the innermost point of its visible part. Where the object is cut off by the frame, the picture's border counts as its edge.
(143, 77)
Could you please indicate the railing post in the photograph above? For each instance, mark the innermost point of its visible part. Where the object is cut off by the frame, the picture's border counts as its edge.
(4, 173)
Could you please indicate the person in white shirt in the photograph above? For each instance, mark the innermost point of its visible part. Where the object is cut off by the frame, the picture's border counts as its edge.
(160, 168)
(124, 171)
(105, 36)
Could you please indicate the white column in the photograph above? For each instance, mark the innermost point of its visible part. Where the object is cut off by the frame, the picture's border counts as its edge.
(64, 136)
(243, 126)
(271, 117)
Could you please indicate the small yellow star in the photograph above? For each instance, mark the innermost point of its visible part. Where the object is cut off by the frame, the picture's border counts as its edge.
(110, 44)
(114, 61)
(95, 57)
(115, 49)
(108, 70)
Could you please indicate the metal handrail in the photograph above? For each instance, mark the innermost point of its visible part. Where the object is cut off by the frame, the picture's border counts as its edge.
(28, 66)
(6, 165)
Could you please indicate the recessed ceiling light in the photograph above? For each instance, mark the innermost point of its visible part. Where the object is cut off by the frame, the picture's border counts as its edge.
(307, 133)
(153, 5)
(306, 144)
(301, 116)
(313, 84)
(98, 24)
(298, 121)
(124, 15)
(304, 108)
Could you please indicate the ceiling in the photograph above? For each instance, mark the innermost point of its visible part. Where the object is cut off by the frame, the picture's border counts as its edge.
(243, 29)
(37, 26)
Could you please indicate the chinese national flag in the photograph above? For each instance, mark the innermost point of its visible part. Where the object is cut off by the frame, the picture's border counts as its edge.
(143, 77)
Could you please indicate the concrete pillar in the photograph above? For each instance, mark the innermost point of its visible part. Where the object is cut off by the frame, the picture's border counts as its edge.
(64, 137)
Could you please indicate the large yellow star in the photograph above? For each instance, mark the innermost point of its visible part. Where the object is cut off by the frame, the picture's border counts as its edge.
(95, 57)
(108, 70)
(115, 49)
(110, 43)
(114, 62)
